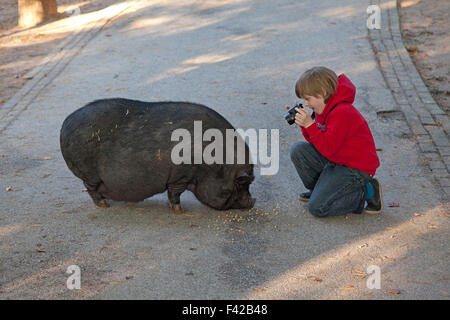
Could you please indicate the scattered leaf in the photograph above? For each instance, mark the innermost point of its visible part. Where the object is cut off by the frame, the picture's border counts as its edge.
(259, 289)
(411, 49)
(379, 149)
(418, 215)
(360, 274)
(129, 277)
(387, 258)
(432, 226)
(314, 278)
(393, 291)
(394, 204)
(349, 288)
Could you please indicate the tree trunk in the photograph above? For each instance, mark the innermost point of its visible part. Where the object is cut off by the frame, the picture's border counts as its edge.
(33, 12)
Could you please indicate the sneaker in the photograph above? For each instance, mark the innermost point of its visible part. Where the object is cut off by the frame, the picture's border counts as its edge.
(375, 205)
(305, 196)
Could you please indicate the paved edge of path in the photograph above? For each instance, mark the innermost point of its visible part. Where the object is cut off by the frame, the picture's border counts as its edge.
(427, 121)
(53, 64)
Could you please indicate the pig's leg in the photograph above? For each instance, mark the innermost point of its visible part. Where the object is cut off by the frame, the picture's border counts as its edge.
(174, 192)
(98, 199)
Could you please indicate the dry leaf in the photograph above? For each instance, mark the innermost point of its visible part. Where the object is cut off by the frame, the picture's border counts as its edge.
(259, 289)
(432, 226)
(388, 259)
(360, 274)
(394, 204)
(411, 49)
(418, 215)
(349, 288)
(393, 291)
(314, 278)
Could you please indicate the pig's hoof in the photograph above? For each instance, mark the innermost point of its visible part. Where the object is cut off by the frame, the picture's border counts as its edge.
(102, 204)
(177, 208)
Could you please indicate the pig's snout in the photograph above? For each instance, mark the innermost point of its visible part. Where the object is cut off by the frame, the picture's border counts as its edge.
(248, 203)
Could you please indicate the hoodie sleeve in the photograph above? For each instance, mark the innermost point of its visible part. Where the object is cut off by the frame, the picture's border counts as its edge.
(305, 133)
(329, 141)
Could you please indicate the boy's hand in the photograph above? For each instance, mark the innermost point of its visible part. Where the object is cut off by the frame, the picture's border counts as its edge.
(303, 118)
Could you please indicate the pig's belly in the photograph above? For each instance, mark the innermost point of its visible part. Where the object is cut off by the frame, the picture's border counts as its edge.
(131, 185)
(134, 193)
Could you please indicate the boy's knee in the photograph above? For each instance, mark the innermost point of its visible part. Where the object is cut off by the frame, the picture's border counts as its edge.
(298, 149)
(317, 209)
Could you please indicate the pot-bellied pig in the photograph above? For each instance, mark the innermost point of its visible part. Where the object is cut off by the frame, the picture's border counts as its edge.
(122, 150)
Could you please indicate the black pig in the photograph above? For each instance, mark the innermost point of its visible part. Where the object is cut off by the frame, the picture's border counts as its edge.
(121, 150)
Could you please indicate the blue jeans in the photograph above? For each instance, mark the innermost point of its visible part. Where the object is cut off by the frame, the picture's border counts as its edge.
(336, 189)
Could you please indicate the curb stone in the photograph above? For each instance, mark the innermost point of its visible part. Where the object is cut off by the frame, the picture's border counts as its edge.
(51, 66)
(427, 121)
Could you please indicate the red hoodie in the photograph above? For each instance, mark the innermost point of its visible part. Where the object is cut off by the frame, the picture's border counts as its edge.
(346, 138)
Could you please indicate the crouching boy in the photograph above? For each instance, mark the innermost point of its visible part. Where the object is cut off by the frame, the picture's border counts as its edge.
(339, 160)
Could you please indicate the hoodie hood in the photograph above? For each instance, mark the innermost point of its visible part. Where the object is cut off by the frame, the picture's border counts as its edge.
(345, 92)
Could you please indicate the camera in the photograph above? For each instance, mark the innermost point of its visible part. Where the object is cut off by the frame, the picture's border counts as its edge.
(290, 115)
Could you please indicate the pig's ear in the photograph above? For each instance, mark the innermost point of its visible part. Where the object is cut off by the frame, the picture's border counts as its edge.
(244, 178)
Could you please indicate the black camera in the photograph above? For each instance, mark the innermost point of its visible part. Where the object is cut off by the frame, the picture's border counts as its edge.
(290, 115)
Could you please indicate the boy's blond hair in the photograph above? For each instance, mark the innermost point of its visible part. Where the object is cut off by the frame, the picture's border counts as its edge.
(317, 81)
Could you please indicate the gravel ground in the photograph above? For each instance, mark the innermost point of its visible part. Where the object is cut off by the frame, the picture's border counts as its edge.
(242, 59)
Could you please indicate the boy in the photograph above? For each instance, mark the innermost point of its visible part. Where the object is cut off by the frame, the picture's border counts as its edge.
(339, 160)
